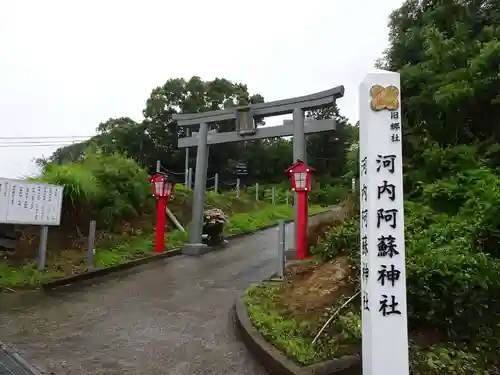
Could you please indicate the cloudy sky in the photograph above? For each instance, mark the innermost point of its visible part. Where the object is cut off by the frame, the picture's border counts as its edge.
(66, 65)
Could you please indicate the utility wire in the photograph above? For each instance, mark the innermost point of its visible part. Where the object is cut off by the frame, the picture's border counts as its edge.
(7, 145)
(15, 142)
(48, 137)
(33, 142)
(41, 141)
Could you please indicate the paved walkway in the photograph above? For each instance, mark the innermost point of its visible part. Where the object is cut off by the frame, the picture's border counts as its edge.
(171, 317)
(9, 364)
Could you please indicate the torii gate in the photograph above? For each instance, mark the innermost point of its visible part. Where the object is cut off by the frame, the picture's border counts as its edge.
(246, 131)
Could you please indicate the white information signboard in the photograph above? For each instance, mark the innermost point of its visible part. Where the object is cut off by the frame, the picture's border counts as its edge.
(32, 203)
(383, 277)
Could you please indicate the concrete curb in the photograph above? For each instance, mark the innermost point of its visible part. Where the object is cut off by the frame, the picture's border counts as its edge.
(276, 362)
(19, 361)
(107, 270)
(52, 284)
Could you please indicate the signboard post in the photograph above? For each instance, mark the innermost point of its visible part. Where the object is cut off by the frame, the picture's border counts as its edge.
(383, 277)
(42, 246)
(31, 203)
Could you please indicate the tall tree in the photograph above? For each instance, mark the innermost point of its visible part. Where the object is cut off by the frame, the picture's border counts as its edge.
(328, 151)
(195, 95)
(448, 53)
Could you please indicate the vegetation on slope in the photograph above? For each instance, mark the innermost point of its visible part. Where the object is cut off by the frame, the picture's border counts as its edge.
(114, 191)
(448, 54)
(452, 267)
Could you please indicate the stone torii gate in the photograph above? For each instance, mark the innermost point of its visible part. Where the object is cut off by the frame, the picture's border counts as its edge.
(246, 130)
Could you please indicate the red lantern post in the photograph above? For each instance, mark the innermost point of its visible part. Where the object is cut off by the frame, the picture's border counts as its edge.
(163, 187)
(301, 175)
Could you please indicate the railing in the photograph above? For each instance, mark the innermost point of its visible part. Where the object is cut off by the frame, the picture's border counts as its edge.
(214, 183)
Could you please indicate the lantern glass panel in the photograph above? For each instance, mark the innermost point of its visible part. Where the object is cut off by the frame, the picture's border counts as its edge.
(309, 182)
(300, 180)
(159, 188)
(168, 188)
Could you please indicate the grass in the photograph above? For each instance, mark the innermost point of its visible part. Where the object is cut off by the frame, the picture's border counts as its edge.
(283, 332)
(290, 322)
(293, 336)
(268, 215)
(122, 248)
(128, 247)
(136, 246)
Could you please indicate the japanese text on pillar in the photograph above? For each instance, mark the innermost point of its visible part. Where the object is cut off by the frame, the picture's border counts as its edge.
(388, 268)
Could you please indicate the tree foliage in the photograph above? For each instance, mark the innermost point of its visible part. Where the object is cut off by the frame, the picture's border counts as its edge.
(155, 137)
(448, 53)
(328, 151)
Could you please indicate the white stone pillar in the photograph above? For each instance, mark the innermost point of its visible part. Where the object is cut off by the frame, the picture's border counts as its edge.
(383, 277)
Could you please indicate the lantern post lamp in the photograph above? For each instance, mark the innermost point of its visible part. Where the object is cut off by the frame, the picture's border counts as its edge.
(301, 175)
(163, 187)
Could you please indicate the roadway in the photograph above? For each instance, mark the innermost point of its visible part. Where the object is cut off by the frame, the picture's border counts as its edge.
(171, 317)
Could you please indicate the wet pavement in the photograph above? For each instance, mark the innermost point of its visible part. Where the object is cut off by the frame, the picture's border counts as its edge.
(9, 364)
(170, 317)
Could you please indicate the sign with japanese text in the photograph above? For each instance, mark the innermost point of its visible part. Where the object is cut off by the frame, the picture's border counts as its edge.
(31, 203)
(383, 277)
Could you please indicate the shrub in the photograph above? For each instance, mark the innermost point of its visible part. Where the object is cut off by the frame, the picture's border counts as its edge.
(112, 187)
(327, 194)
(341, 239)
(80, 185)
(452, 228)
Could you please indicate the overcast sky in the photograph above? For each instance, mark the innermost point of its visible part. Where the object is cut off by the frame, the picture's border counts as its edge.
(66, 65)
